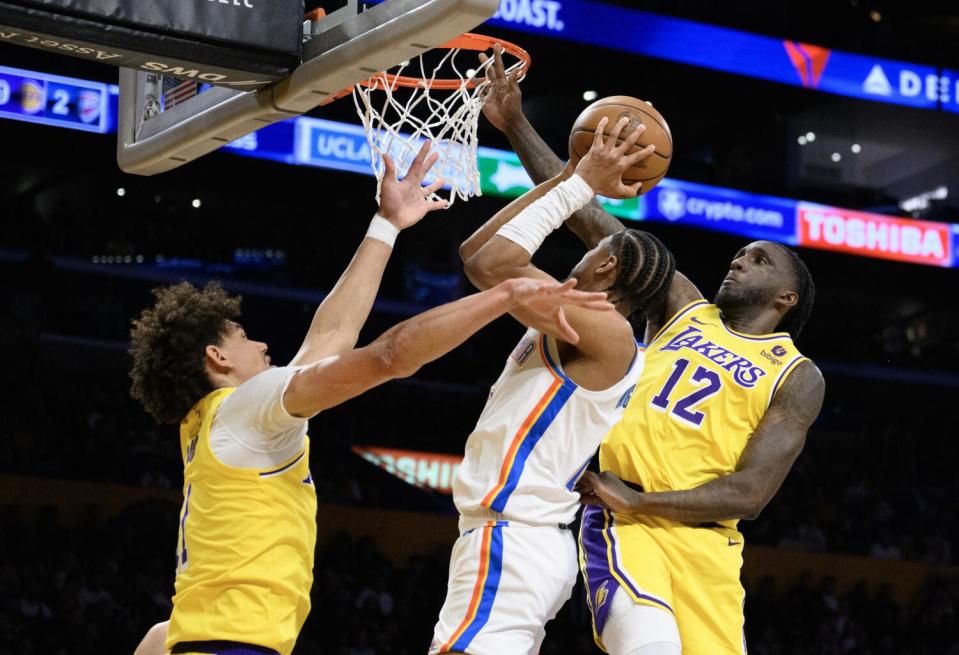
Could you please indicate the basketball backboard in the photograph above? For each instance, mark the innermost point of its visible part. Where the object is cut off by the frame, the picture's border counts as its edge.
(346, 47)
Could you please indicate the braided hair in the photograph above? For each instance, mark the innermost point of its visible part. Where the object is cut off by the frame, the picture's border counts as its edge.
(795, 318)
(646, 269)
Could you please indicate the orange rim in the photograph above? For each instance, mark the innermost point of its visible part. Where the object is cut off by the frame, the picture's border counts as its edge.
(468, 41)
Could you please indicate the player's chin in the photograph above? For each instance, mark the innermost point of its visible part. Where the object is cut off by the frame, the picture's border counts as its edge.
(727, 296)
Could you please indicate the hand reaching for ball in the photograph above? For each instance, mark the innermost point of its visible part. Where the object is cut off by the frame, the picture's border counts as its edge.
(603, 166)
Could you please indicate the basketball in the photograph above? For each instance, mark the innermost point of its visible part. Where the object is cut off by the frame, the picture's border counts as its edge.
(649, 171)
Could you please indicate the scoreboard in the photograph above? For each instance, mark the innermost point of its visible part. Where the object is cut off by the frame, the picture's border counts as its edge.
(54, 100)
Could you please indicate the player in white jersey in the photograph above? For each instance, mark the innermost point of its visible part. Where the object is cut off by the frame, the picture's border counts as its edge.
(515, 563)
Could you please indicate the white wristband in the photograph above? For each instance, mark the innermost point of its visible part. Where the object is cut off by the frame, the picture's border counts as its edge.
(382, 230)
(532, 225)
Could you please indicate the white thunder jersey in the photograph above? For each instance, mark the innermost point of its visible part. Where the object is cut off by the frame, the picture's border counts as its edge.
(535, 437)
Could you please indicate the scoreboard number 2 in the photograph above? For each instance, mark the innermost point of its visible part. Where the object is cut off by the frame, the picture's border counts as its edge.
(61, 102)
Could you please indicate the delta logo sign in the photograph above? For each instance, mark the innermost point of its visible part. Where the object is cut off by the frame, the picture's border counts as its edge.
(874, 235)
(808, 60)
(873, 79)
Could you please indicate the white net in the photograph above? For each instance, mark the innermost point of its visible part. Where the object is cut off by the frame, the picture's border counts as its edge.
(404, 117)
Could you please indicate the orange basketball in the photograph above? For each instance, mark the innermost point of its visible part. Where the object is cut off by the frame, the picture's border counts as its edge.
(639, 112)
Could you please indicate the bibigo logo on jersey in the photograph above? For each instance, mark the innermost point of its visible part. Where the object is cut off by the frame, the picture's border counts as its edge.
(534, 13)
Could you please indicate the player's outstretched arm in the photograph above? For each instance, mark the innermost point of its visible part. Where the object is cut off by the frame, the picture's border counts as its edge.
(509, 242)
(504, 110)
(599, 173)
(488, 230)
(338, 320)
(403, 349)
(763, 466)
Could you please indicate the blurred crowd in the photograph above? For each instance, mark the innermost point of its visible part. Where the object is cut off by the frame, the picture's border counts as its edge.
(97, 587)
(882, 486)
(876, 479)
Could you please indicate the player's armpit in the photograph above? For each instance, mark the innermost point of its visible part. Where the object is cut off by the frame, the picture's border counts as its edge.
(781, 435)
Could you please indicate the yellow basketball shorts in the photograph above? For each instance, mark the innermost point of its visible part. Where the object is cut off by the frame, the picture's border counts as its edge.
(691, 572)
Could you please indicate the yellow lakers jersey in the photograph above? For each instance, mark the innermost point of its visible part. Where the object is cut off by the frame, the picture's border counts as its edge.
(700, 398)
(245, 548)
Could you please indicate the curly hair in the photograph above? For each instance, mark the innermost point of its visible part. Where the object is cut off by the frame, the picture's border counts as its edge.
(168, 344)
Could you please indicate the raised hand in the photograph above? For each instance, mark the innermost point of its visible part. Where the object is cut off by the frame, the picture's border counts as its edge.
(606, 490)
(504, 100)
(603, 166)
(405, 202)
(548, 298)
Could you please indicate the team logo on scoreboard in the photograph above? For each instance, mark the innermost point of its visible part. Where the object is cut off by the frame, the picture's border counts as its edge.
(88, 106)
(33, 97)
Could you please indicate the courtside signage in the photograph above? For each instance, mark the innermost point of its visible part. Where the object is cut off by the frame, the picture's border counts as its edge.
(275, 144)
(699, 205)
(502, 174)
(342, 146)
(875, 235)
(54, 100)
(421, 469)
(734, 51)
(329, 144)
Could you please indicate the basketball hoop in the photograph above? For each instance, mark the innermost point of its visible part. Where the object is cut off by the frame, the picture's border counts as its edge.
(400, 123)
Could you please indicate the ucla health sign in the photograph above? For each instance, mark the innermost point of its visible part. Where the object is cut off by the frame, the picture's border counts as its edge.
(734, 51)
(330, 144)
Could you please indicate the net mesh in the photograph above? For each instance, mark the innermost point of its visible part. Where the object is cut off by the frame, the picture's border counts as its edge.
(397, 120)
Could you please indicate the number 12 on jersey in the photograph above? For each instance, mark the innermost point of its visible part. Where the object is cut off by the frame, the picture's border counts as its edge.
(684, 409)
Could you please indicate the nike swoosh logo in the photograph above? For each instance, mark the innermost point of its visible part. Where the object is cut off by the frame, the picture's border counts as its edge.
(696, 320)
(733, 543)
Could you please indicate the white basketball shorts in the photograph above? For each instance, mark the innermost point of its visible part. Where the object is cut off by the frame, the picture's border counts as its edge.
(506, 582)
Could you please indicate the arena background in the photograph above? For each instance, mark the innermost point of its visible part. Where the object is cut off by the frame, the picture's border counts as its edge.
(858, 552)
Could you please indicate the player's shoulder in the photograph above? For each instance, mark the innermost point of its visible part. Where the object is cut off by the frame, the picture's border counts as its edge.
(804, 389)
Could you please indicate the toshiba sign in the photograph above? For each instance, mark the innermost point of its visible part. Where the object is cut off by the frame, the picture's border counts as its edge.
(434, 471)
(874, 235)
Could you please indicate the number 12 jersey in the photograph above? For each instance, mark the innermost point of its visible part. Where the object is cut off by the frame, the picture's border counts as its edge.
(702, 394)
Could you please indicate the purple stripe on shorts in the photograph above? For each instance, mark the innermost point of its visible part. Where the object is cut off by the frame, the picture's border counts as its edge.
(600, 583)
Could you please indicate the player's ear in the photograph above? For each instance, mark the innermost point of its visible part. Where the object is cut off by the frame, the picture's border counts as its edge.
(607, 266)
(787, 299)
(216, 359)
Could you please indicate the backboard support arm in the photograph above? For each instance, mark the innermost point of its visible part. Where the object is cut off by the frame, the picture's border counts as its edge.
(352, 49)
